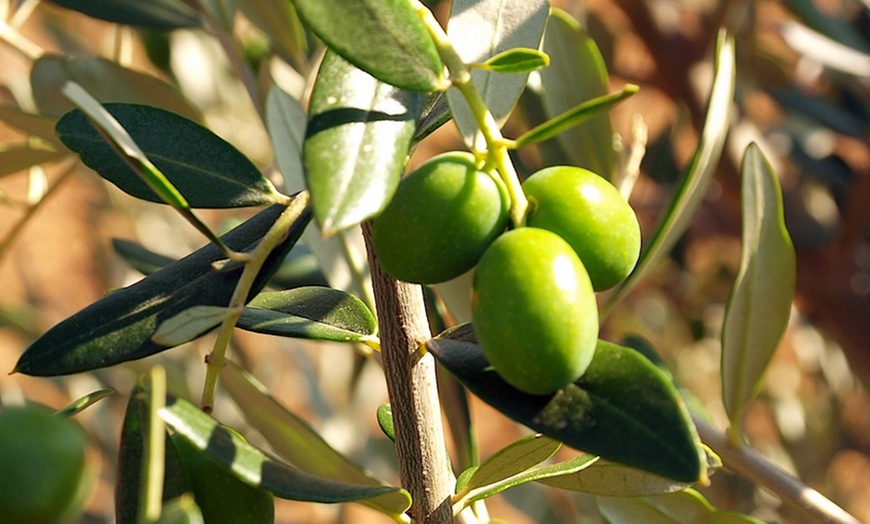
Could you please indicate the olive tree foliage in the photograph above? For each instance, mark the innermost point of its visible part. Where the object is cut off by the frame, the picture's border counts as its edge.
(380, 77)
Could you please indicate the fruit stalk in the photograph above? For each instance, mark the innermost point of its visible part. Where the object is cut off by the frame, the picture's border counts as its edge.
(424, 467)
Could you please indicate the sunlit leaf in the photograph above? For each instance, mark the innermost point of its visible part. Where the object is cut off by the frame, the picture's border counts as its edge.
(682, 507)
(82, 403)
(513, 459)
(298, 443)
(615, 480)
(358, 136)
(573, 117)
(385, 420)
(480, 30)
(182, 510)
(106, 80)
(386, 38)
(119, 327)
(518, 60)
(204, 168)
(760, 302)
(286, 121)
(254, 467)
(318, 313)
(577, 74)
(698, 174)
(154, 14)
(622, 393)
(189, 324)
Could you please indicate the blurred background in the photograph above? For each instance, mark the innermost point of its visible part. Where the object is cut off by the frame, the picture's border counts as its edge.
(803, 93)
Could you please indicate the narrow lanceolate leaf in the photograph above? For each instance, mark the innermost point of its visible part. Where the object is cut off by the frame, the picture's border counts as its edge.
(298, 443)
(385, 38)
(760, 302)
(615, 480)
(30, 123)
(698, 174)
(254, 467)
(154, 14)
(204, 168)
(281, 23)
(513, 459)
(286, 121)
(574, 117)
(519, 60)
(317, 313)
(568, 467)
(106, 80)
(82, 403)
(120, 326)
(480, 30)
(623, 408)
(673, 508)
(356, 143)
(576, 75)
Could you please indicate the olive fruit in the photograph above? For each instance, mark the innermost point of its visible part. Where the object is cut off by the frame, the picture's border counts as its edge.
(43, 474)
(222, 497)
(588, 212)
(441, 219)
(534, 311)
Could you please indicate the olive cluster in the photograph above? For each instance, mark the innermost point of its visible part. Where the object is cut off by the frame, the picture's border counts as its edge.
(534, 310)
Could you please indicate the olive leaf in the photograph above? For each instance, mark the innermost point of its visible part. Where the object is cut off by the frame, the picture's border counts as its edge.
(154, 14)
(385, 38)
(623, 408)
(615, 480)
(120, 326)
(673, 508)
(518, 60)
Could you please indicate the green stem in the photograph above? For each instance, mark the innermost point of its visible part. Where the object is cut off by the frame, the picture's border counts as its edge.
(216, 360)
(496, 145)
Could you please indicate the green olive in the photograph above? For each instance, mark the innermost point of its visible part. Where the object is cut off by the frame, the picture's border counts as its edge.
(222, 497)
(588, 212)
(534, 311)
(441, 219)
(43, 474)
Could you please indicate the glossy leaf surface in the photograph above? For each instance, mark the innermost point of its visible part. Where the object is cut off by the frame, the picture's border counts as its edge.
(760, 303)
(318, 313)
(480, 30)
(119, 327)
(107, 81)
(698, 174)
(386, 38)
(623, 408)
(577, 74)
(206, 170)
(296, 441)
(357, 139)
(154, 14)
(253, 466)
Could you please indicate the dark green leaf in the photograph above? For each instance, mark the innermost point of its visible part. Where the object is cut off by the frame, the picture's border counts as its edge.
(519, 60)
(253, 466)
(577, 73)
(107, 81)
(436, 113)
(154, 14)
(139, 258)
(206, 170)
(119, 327)
(760, 303)
(131, 459)
(385, 38)
(298, 443)
(480, 30)
(623, 408)
(385, 420)
(573, 117)
(20, 157)
(318, 313)
(356, 143)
